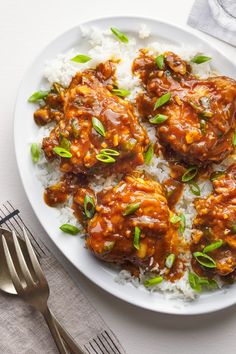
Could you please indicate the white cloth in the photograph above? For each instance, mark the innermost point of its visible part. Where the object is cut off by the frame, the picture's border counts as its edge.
(215, 17)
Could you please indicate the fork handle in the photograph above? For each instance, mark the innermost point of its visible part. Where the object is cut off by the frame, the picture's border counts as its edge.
(54, 331)
(71, 343)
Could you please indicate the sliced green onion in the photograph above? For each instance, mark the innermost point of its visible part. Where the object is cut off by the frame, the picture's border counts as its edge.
(158, 119)
(153, 281)
(193, 280)
(213, 246)
(207, 114)
(81, 58)
(199, 59)
(204, 260)
(120, 92)
(233, 229)
(216, 174)
(149, 154)
(160, 61)
(62, 152)
(234, 139)
(105, 158)
(203, 126)
(120, 35)
(65, 143)
(108, 245)
(89, 206)
(35, 152)
(137, 233)
(182, 223)
(110, 152)
(189, 174)
(196, 282)
(194, 188)
(162, 100)
(131, 209)
(170, 260)
(39, 95)
(175, 218)
(98, 126)
(69, 229)
(75, 128)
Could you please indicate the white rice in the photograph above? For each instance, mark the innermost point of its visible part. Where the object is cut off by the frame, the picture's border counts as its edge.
(103, 46)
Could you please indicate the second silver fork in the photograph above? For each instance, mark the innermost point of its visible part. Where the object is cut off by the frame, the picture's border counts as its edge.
(36, 291)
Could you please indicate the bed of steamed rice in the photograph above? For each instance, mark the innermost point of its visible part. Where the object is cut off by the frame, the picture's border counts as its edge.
(104, 46)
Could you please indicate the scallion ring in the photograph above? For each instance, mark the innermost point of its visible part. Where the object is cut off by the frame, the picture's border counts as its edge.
(110, 152)
(160, 61)
(98, 126)
(204, 260)
(131, 208)
(62, 152)
(189, 174)
(136, 241)
(89, 206)
(149, 154)
(35, 152)
(194, 188)
(170, 260)
(213, 246)
(158, 119)
(69, 229)
(37, 96)
(120, 35)
(121, 92)
(105, 158)
(153, 281)
(162, 100)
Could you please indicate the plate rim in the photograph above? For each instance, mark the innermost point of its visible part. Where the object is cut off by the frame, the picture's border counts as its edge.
(186, 29)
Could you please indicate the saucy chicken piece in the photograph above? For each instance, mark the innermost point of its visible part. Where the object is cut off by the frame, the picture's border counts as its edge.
(94, 120)
(200, 115)
(135, 205)
(216, 220)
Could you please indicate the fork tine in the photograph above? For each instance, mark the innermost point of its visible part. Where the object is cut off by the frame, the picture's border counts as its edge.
(12, 270)
(34, 260)
(24, 268)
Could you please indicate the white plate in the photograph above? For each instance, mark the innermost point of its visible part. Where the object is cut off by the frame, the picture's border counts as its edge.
(73, 247)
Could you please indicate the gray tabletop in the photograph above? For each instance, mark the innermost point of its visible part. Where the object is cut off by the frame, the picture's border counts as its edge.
(26, 26)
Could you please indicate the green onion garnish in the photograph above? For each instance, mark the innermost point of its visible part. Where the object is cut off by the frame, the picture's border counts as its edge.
(105, 158)
(233, 229)
(62, 152)
(189, 174)
(162, 100)
(158, 119)
(149, 154)
(205, 101)
(35, 152)
(110, 152)
(131, 209)
(203, 126)
(160, 61)
(182, 223)
(199, 59)
(39, 95)
(121, 92)
(193, 280)
(69, 229)
(234, 139)
(175, 218)
(65, 143)
(120, 35)
(98, 126)
(153, 281)
(216, 174)
(89, 206)
(108, 245)
(81, 58)
(204, 260)
(137, 233)
(213, 246)
(75, 127)
(170, 260)
(194, 188)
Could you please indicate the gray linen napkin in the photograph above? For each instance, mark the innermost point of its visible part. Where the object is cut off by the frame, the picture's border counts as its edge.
(23, 330)
(215, 17)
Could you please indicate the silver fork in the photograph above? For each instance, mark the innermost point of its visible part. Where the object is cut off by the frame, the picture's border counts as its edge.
(36, 292)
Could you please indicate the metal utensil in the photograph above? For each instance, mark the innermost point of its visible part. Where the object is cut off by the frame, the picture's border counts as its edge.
(21, 255)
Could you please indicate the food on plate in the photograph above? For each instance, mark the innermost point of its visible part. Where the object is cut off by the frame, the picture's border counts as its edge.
(194, 117)
(215, 224)
(132, 226)
(99, 130)
(137, 153)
